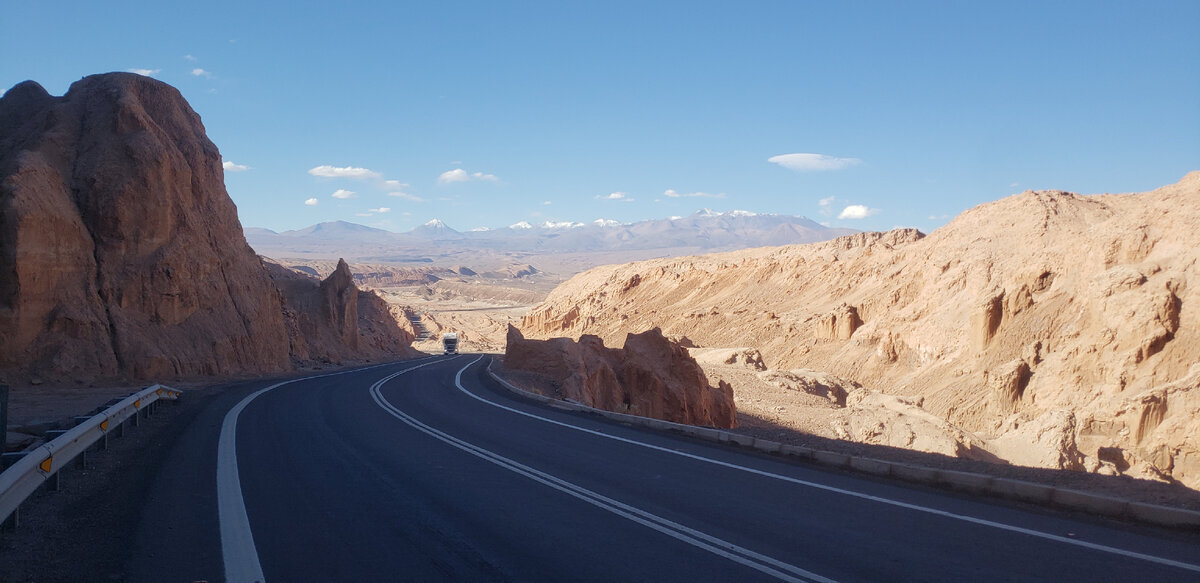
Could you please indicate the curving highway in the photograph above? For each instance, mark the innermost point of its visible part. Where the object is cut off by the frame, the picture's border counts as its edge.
(425, 470)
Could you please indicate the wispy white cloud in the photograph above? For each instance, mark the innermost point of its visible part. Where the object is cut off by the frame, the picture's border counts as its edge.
(312, 201)
(938, 217)
(826, 205)
(1014, 185)
(343, 194)
(460, 175)
(189, 58)
(406, 196)
(327, 171)
(857, 211)
(198, 72)
(546, 203)
(672, 194)
(231, 166)
(145, 72)
(394, 184)
(382, 209)
(621, 196)
(813, 162)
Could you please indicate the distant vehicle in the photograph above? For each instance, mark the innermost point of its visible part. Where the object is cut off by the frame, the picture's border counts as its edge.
(450, 342)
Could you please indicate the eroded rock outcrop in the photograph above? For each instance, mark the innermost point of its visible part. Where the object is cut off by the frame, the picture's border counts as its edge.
(120, 251)
(651, 376)
(121, 255)
(332, 321)
(1016, 311)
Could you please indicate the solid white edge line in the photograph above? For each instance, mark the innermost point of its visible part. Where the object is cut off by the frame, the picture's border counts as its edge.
(909, 506)
(717, 546)
(238, 552)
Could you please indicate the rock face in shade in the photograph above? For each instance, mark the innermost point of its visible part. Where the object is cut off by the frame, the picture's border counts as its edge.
(1063, 330)
(120, 250)
(651, 376)
(121, 254)
(331, 320)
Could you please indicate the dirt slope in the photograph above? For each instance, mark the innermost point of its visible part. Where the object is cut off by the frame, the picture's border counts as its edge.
(1061, 329)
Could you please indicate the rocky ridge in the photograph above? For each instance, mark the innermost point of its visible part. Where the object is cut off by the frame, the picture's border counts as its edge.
(1051, 329)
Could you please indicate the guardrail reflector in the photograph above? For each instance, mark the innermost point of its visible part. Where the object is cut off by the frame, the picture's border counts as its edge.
(47, 464)
(104, 425)
(158, 392)
(137, 404)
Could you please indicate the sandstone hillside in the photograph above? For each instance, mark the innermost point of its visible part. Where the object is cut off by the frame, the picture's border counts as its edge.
(1060, 329)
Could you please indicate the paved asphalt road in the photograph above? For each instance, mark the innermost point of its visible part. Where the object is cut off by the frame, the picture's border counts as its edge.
(425, 471)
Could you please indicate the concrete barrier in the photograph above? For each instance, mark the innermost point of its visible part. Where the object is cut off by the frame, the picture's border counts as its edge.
(871, 466)
(956, 480)
(965, 481)
(1023, 491)
(911, 473)
(831, 458)
(1163, 515)
(1089, 502)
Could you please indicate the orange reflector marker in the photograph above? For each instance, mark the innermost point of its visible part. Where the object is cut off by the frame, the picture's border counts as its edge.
(137, 404)
(104, 425)
(158, 392)
(47, 464)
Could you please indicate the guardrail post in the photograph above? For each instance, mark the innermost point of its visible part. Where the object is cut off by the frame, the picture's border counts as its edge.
(137, 417)
(4, 416)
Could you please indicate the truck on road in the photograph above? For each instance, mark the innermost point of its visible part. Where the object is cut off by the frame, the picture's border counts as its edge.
(450, 342)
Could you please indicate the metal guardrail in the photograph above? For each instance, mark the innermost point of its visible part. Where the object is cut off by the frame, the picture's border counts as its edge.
(36, 466)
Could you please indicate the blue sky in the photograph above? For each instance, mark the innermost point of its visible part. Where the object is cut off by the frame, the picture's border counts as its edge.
(877, 114)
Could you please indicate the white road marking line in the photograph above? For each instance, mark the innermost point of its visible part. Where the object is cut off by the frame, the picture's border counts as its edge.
(909, 506)
(717, 546)
(237, 541)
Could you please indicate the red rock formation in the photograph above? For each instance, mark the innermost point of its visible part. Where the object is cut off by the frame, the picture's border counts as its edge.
(651, 376)
(339, 304)
(121, 254)
(120, 251)
(331, 320)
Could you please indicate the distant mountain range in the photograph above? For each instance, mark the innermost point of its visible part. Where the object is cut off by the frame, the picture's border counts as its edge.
(701, 232)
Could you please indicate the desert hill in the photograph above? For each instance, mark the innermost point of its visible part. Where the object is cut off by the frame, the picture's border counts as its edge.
(121, 254)
(1051, 329)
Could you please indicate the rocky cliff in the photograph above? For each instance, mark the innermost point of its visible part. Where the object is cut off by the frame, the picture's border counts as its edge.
(121, 255)
(1061, 328)
(651, 376)
(121, 251)
(331, 320)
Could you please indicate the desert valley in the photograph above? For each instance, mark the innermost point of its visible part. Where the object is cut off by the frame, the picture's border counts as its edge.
(1048, 329)
(801, 292)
